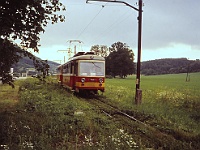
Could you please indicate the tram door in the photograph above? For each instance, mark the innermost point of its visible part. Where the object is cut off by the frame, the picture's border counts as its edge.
(73, 74)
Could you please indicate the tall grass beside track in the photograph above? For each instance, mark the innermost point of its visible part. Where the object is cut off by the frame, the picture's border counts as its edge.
(166, 97)
(38, 115)
(46, 116)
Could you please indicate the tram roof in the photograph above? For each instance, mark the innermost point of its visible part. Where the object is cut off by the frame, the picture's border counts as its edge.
(87, 57)
(84, 56)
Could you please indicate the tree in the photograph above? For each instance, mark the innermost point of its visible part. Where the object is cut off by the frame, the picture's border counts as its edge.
(120, 60)
(11, 54)
(100, 50)
(8, 55)
(24, 20)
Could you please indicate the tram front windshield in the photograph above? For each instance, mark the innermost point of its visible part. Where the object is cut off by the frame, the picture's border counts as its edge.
(92, 69)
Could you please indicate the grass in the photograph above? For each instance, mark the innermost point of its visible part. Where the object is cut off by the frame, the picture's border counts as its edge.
(48, 117)
(8, 96)
(37, 115)
(164, 96)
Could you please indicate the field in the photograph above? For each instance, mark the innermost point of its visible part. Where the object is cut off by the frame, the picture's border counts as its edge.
(167, 96)
(37, 115)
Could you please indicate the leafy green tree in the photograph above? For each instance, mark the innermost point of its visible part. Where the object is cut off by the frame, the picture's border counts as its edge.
(24, 20)
(120, 60)
(13, 53)
(100, 50)
(7, 51)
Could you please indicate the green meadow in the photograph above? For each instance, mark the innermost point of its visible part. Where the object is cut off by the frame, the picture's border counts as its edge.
(43, 115)
(168, 97)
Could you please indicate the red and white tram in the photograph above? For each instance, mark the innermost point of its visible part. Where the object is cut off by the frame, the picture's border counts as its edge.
(83, 73)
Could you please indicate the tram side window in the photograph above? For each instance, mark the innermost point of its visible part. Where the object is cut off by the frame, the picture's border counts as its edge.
(76, 68)
(58, 70)
(65, 68)
(72, 68)
(69, 68)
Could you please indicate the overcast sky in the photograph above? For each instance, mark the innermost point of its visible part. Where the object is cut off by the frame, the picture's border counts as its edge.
(170, 29)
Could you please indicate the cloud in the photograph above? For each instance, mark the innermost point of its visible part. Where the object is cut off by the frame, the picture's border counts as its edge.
(165, 24)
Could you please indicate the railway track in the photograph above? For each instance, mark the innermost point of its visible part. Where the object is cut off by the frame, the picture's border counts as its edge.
(102, 105)
(146, 129)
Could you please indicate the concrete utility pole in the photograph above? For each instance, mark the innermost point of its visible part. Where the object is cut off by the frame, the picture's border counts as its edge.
(138, 92)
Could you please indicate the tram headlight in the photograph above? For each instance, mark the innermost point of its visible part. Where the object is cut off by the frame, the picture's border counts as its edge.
(82, 80)
(100, 80)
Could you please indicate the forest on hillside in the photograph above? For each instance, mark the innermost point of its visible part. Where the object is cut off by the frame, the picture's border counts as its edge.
(26, 62)
(152, 67)
(170, 66)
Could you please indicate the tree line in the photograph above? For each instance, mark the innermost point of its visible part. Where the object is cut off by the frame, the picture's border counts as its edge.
(170, 66)
(120, 62)
(119, 59)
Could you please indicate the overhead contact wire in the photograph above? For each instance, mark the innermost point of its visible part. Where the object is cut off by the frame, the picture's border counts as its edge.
(117, 22)
(90, 22)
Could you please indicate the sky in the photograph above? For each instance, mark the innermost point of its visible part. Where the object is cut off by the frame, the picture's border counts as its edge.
(170, 29)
